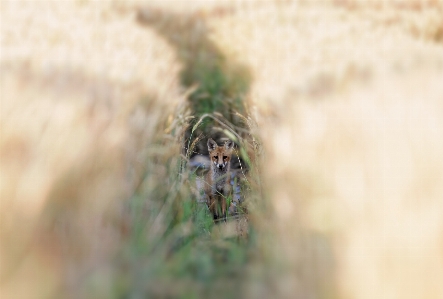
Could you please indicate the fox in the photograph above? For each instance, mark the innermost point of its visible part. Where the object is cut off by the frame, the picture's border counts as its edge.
(218, 186)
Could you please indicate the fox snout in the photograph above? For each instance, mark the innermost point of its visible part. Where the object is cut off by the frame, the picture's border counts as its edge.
(220, 165)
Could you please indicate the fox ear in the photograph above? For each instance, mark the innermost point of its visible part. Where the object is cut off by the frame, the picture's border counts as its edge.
(212, 145)
(229, 144)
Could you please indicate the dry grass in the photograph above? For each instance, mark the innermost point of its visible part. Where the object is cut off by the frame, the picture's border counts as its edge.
(85, 91)
(348, 100)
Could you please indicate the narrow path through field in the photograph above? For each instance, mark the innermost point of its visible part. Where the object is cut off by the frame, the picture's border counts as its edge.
(215, 256)
(218, 85)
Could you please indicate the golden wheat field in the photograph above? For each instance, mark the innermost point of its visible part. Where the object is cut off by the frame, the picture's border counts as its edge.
(336, 109)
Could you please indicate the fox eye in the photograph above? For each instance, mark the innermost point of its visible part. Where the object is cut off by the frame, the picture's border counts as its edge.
(225, 157)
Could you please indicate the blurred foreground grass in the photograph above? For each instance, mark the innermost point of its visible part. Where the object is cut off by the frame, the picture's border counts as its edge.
(93, 127)
(338, 107)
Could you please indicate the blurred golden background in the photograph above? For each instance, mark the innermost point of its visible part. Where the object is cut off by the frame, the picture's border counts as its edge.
(347, 102)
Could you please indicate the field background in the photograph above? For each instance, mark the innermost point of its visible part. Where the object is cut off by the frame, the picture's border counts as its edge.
(341, 106)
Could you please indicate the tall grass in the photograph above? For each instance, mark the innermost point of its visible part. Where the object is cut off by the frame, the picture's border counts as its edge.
(111, 213)
(347, 102)
(335, 110)
(197, 256)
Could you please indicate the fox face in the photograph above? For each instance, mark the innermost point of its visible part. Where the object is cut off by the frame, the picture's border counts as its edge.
(220, 155)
